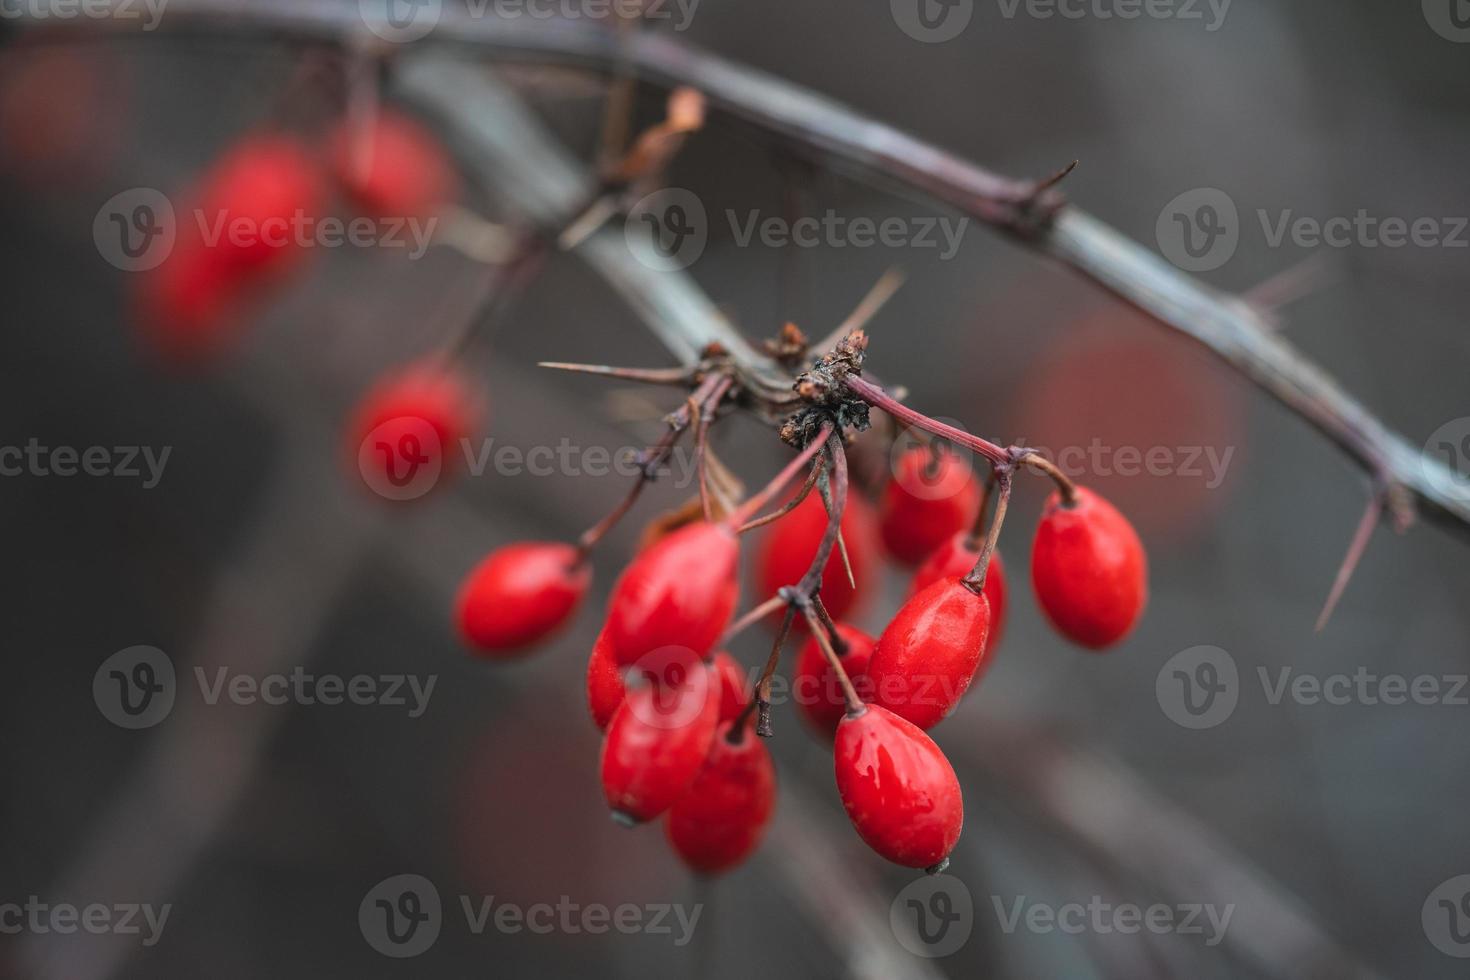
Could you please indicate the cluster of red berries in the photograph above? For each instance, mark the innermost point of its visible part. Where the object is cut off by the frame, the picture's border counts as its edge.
(680, 722)
(235, 237)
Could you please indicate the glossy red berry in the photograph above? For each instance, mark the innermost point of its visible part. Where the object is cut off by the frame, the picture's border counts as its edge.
(680, 592)
(815, 687)
(256, 201)
(395, 169)
(930, 652)
(788, 547)
(605, 689)
(734, 695)
(929, 499)
(898, 788)
(1089, 570)
(954, 559)
(519, 595)
(657, 741)
(719, 822)
(407, 430)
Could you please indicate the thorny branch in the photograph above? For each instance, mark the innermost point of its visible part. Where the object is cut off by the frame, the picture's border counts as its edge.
(1032, 211)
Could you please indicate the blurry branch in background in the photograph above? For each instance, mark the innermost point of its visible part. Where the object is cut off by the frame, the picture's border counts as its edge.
(1404, 480)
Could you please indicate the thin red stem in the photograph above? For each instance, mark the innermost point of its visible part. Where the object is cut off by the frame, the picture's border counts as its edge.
(812, 580)
(849, 693)
(763, 497)
(786, 508)
(975, 581)
(879, 398)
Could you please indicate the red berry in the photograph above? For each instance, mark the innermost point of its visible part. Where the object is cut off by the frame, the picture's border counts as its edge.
(930, 652)
(605, 690)
(954, 559)
(256, 200)
(187, 306)
(733, 692)
(680, 592)
(1089, 570)
(408, 427)
(395, 169)
(815, 687)
(928, 499)
(788, 547)
(519, 595)
(719, 822)
(656, 743)
(898, 788)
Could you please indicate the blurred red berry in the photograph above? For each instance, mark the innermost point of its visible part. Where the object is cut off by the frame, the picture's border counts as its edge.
(788, 547)
(394, 168)
(720, 820)
(1089, 570)
(257, 201)
(407, 429)
(898, 788)
(734, 695)
(519, 595)
(815, 687)
(928, 499)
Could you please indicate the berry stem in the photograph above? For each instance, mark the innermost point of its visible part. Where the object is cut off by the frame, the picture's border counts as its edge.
(755, 615)
(878, 398)
(976, 537)
(1036, 461)
(812, 580)
(701, 440)
(849, 693)
(678, 421)
(763, 497)
(761, 703)
(838, 643)
(788, 507)
(975, 581)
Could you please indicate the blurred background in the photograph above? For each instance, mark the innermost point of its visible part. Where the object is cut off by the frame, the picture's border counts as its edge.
(1331, 831)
